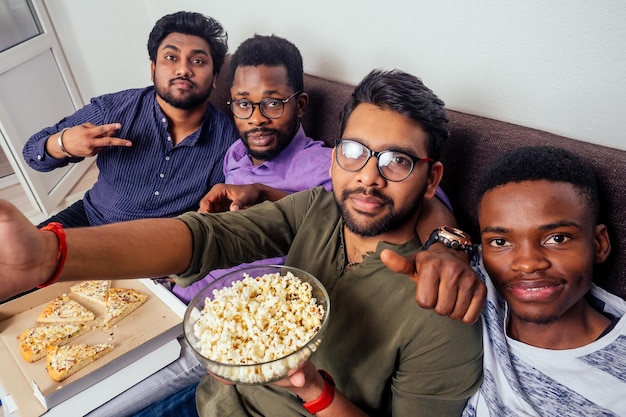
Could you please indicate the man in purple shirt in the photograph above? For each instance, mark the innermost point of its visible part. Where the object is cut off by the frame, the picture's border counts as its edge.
(274, 157)
(159, 148)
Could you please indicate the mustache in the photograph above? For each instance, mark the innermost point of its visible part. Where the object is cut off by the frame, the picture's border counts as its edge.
(173, 80)
(258, 130)
(370, 191)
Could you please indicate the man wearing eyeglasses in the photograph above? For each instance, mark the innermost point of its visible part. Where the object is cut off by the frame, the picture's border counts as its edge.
(383, 354)
(274, 156)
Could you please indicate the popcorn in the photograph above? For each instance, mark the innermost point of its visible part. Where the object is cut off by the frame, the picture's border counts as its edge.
(259, 320)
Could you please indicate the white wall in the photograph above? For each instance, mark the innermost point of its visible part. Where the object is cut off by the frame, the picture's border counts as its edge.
(556, 65)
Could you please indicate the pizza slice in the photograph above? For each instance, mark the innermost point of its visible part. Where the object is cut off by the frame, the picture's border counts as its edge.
(64, 310)
(34, 341)
(95, 290)
(122, 302)
(64, 361)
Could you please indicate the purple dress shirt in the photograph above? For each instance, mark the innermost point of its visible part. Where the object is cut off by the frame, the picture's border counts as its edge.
(303, 164)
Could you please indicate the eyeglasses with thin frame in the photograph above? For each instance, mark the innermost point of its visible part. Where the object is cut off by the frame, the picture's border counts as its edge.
(394, 166)
(270, 107)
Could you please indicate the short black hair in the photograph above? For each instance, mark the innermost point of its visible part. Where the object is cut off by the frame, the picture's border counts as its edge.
(536, 163)
(406, 94)
(272, 51)
(191, 23)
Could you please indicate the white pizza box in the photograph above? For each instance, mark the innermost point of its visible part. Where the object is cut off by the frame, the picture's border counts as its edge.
(145, 342)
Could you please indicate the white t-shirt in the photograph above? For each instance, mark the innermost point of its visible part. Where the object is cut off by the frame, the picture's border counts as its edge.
(522, 380)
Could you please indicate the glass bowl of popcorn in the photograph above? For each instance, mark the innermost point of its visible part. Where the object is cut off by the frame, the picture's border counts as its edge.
(254, 325)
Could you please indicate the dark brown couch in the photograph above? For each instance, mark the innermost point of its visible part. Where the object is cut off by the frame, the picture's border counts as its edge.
(474, 142)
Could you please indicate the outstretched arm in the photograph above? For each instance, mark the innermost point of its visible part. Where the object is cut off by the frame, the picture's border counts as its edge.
(142, 248)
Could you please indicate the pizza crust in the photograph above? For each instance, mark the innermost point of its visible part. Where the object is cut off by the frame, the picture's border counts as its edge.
(96, 290)
(64, 361)
(122, 302)
(34, 341)
(65, 310)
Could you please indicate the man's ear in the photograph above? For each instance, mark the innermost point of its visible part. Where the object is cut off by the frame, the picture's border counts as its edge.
(214, 81)
(434, 178)
(152, 71)
(303, 102)
(602, 243)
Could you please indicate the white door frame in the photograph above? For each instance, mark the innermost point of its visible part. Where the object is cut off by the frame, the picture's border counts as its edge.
(45, 190)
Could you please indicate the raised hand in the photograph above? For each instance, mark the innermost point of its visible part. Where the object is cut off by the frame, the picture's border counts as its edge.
(85, 140)
(445, 282)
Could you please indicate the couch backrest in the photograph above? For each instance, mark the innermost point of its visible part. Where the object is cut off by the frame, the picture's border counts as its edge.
(474, 142)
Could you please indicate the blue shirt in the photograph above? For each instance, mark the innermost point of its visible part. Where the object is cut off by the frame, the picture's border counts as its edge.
(152, 178)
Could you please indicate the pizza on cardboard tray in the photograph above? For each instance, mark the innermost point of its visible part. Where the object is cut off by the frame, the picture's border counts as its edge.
(34, 341)
(64, 361)
(68, 319)
(95, 290)
(65, 310)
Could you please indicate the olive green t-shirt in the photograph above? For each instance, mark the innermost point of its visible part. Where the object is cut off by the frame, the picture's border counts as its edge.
(387, 355)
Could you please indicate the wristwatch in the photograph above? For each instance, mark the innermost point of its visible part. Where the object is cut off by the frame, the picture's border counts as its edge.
(451, 237)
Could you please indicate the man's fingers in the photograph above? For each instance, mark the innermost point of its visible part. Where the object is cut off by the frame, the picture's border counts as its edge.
(113, 141)
(476, 306)
(399, 263)
(106, 130)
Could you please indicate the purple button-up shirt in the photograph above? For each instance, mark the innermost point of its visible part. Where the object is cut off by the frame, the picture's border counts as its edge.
(303, 164)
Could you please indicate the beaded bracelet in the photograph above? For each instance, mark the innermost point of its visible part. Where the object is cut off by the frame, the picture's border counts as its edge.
(57, 229)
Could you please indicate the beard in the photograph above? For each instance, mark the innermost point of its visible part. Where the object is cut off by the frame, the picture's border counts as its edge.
(282, 141)
(394, 219)
(187, 101)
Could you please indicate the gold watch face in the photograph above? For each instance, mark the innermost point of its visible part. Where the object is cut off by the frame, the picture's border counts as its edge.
(454, 234)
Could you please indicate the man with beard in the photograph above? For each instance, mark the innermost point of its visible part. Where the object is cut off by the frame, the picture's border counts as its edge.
(555, 343)
(388, 355)
(274, 156)
(160, 148)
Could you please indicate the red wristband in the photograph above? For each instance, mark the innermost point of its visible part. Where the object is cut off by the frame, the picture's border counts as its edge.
(57, 229)
(327, 396)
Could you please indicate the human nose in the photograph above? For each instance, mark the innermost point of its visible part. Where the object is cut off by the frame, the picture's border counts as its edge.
(528, 258)
(370, 173)
(257, 117)
(183, 68)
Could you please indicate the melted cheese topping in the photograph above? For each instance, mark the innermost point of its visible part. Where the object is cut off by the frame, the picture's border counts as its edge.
(37, 339)
(64, 357)
(63, 307)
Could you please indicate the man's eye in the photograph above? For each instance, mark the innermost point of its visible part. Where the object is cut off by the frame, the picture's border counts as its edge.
(169, 57)
(269, 103)
(497, 242)
(198, 61)
(400, 160)
(243, 104)
(558, 239)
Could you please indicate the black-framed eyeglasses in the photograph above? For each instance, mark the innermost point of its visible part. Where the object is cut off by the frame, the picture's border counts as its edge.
(270, 107)
(393, 165)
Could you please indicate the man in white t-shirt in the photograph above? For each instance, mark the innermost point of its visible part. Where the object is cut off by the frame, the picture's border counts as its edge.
(555, 344)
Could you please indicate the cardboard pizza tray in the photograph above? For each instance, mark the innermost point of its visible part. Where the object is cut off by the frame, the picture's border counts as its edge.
(151, 332)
